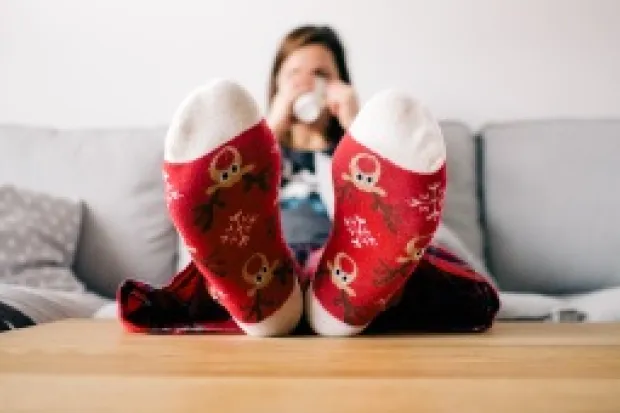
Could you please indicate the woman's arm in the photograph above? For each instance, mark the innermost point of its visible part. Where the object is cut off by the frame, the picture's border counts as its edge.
(342, 102)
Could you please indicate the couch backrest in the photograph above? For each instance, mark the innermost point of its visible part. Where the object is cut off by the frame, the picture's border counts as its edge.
(551, 201)
(117, 174)
(461, 203)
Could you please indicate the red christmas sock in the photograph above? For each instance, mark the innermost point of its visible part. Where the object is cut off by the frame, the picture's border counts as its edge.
(389, 178)
(222, 171)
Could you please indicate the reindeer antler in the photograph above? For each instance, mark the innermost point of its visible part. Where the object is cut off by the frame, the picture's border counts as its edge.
(204, 214)
(259, 180)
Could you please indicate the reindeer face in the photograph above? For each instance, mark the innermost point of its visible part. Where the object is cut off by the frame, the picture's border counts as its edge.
(413, 252)
(364, 173)
(226, 169)
(257, 272)
(343, 272)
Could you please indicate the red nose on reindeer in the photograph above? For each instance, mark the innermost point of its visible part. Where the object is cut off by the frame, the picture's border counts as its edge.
(225, 158)
(366, 165)
(346, 264)
(254, 265)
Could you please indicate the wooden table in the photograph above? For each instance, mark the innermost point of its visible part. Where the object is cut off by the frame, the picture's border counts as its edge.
(94, 366)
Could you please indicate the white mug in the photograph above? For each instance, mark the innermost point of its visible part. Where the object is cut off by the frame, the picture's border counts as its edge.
(308, 107)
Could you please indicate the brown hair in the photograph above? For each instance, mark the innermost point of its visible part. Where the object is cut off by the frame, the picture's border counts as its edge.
(304, 36)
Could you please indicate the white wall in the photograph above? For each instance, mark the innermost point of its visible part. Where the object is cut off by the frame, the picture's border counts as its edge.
(79, 63)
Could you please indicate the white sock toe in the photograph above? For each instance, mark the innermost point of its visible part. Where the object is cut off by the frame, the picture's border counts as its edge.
(325, 324)
(280, 323)
(400, 129)
(210, 116)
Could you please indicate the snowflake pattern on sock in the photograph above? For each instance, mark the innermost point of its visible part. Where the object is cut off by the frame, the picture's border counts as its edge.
(430, 203)
(238, 231)
(360, 234)
(172, 194)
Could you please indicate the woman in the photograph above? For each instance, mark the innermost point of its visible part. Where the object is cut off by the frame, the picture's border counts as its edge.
(308, 53)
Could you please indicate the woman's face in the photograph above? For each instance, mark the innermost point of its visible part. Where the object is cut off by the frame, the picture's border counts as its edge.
(301, 67)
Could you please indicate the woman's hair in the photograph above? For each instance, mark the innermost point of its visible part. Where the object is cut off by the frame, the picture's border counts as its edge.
(304, 36)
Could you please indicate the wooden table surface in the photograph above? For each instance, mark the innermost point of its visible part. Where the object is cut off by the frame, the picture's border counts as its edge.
(94, 366)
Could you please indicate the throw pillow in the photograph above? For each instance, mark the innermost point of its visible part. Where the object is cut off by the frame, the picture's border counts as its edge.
(38, 239)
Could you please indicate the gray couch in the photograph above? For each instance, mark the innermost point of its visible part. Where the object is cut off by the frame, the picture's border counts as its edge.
(537, 202)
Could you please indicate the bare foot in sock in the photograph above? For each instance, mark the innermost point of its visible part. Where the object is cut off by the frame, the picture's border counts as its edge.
(222, 171)
(389, 178)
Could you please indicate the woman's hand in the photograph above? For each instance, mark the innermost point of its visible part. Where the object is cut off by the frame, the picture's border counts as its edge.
(280, 116)
(341, 100)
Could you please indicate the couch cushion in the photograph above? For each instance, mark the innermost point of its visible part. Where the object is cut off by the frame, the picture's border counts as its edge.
(38, 239)
(461, 204)
(552, 205)
(117, 175)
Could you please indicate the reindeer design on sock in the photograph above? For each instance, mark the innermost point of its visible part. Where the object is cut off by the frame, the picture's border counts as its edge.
(364, 174)
(258, 277)
(343, 271)
(413, 253)
(388, 273)
(227, 170)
